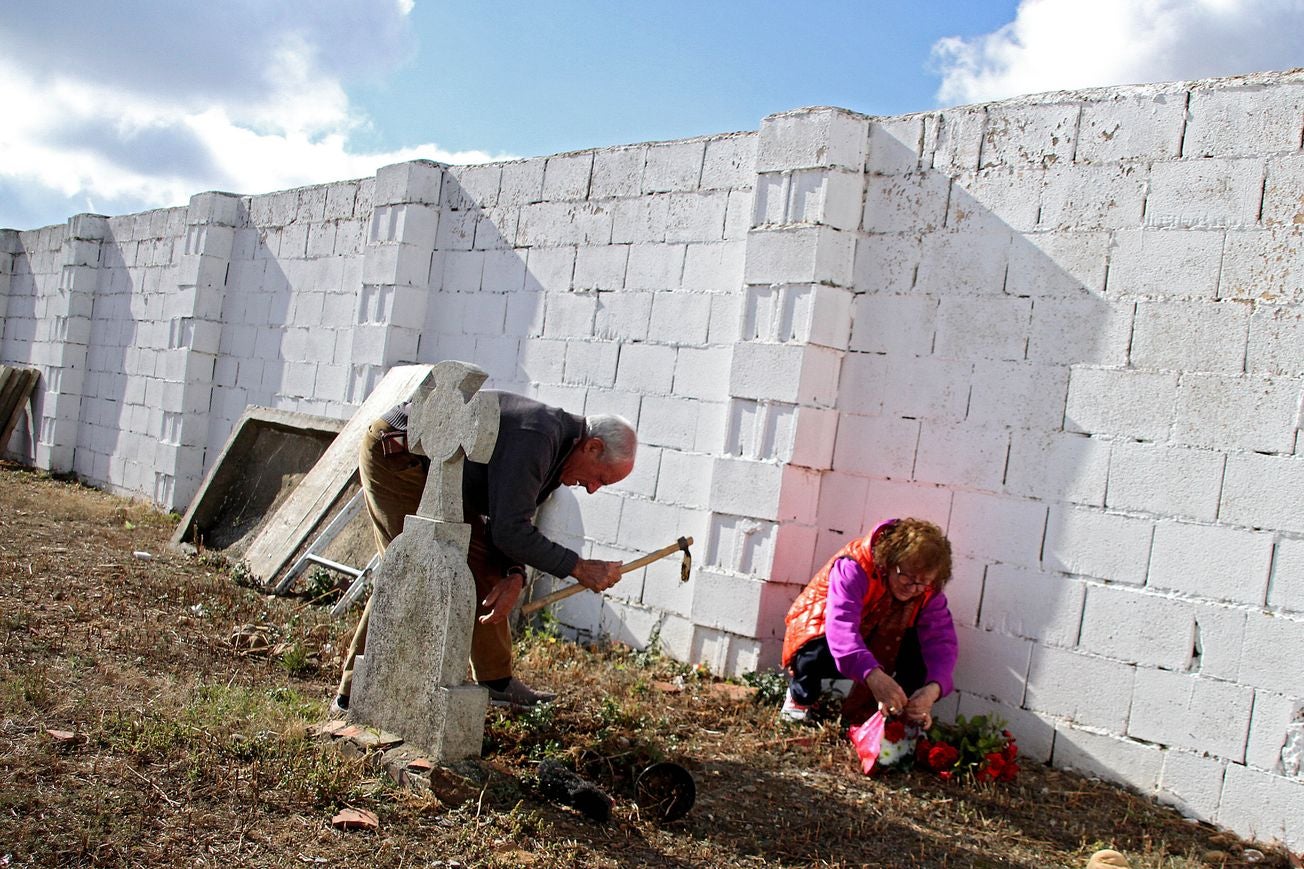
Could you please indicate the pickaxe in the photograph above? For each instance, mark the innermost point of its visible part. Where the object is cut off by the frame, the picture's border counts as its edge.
(681, 544)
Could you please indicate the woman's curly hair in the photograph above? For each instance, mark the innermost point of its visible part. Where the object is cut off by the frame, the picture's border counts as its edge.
(916, 542)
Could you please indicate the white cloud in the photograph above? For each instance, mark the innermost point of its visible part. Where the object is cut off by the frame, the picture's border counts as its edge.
(1059, 44)
(141, 103)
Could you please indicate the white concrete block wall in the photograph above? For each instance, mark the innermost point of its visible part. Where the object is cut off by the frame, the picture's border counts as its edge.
(1066, 328)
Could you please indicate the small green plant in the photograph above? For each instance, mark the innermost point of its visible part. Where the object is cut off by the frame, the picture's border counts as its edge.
(297, 660)
(770, 686)
(321, 587)
(241, 574)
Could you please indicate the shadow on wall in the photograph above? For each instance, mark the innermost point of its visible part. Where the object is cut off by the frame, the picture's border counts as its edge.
(977, 294)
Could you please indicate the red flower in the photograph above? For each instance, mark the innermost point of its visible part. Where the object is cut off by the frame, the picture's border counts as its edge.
(946, 774)
(942, 756)
(894, 730)
(922, 748)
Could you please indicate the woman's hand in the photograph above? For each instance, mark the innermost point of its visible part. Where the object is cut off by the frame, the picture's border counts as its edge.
(886, 691)
(501, 598)
(919, 709)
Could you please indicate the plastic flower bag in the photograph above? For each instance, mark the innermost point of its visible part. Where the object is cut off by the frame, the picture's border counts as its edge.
(868, 738)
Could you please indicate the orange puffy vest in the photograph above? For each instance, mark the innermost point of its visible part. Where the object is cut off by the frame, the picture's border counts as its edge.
(805, 619)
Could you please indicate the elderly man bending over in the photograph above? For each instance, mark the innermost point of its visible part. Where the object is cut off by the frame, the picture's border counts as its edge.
(538, 449)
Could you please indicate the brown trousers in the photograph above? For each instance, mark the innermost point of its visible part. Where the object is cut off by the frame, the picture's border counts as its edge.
(391, 487)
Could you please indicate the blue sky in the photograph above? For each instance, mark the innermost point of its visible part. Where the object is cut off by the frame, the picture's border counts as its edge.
(118, 107)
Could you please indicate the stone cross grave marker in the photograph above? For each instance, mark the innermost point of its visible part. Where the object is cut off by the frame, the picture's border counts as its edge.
(411, 679)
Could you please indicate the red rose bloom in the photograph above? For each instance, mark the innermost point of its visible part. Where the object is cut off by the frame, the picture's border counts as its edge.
(922, 748)
(894, 731)
(941, 756)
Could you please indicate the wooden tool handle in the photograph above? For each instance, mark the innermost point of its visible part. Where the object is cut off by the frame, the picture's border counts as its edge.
(681, 544)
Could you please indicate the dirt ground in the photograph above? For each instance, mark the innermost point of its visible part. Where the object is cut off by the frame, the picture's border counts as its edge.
(135, 732)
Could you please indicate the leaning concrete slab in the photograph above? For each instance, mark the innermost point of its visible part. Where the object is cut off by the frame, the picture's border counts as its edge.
(283, 534)
(266, 456)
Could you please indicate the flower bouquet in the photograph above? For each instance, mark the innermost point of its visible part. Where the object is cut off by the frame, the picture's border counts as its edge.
(979, 746)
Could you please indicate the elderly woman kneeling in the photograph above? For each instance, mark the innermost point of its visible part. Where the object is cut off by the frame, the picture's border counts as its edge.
(875, 614)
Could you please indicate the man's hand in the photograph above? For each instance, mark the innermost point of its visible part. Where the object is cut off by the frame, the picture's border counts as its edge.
(919, 709)
(886, 691)
(501, 598)
(597, 575)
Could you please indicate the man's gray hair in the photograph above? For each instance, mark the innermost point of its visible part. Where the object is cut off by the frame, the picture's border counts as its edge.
(619, 440)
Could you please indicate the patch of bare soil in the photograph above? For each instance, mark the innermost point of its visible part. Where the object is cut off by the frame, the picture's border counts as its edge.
(153, 713)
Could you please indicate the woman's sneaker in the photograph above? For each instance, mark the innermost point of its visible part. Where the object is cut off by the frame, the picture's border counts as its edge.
(794, 711)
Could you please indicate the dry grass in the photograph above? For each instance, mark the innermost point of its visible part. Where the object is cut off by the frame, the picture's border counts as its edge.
(188, 751)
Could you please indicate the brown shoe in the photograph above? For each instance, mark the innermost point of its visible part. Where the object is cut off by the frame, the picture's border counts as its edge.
(517, 695)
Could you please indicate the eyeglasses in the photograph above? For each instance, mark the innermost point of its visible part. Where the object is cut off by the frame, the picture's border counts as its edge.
(911, 582)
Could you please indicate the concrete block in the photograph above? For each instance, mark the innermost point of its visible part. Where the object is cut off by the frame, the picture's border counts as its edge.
(468, 187)
(694, 217)
(1028, 603)
(1241, 121)
(992, 665)
(703, 373)
(621, 402)
(456, 230)
(967, 456)
(503, 271)
(567, 176)
(1276, 340)
(1191, 712)
(1262, 805)
(1281, 198)
(1138, 627)
(1084, 197)
(1250, 413)
(414, 181)
(623, 316)
(1170, 481)
(521, 182)
(1084, 331)
(894, 145)
(654, 266)
(1286, 589)
(524, 315)
(954, 263)
(741, 544)
(497, 228)
(999, 197)
(875, 446)
(1005, 530)
(1272, 650)
(617, 172)
(1018, 134)
(803, 313)
(893, 324)
(1212, 562)
(914, 203)
(1131, 126)
(1108, 757)
(1191, 336)
(1058, 265)
(640, 220)
(569, 315)
(649, 525)
(543, 360)
(1276, 717)
(729, 162)
(809, 138)
(680, 318)
(684, 478)
(886, 263)
(727, 602)
(738, 215)
(550, 268)
(1205, 193)
(591, 363)
(742, 487)
(646, 368)
(964, 593)
(1057, 466)
(842, 504)
(953, 140)
(560, 223)
(926, 388)
(1191, 783)
(780, 372)
(792, 567)
(642, 482)
(1103, 545)
(600, 268)
(462, 271)
(668, 421)
(673, 166)
(1021, 395)
(1138, 404)
(1263, 265)
(804, 254)
(1081, 689)
(714, 268)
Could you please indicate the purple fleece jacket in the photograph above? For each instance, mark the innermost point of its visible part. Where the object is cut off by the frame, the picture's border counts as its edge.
(848, 585)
